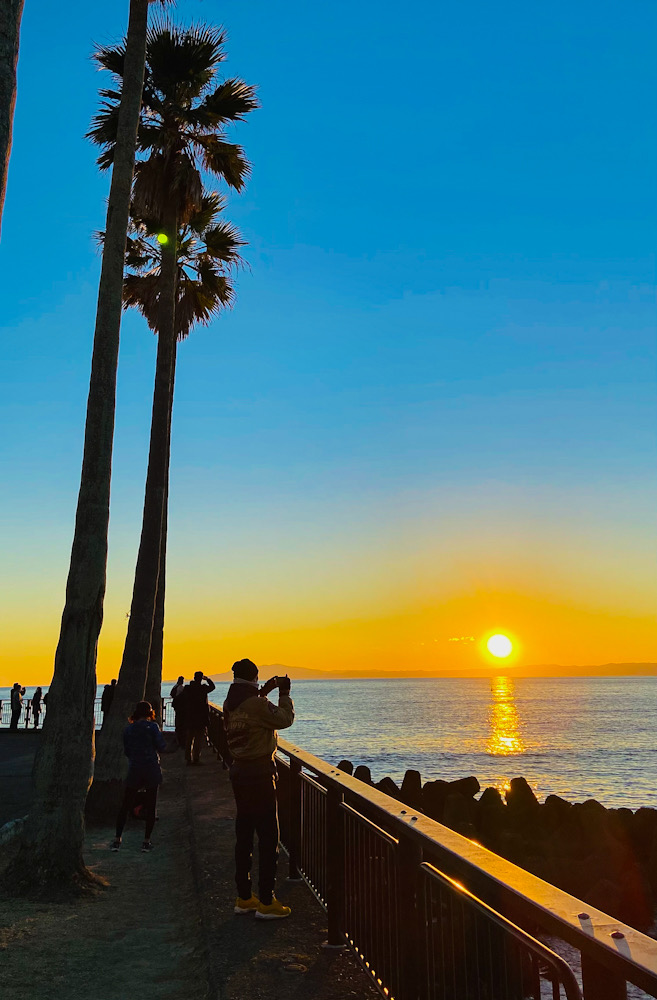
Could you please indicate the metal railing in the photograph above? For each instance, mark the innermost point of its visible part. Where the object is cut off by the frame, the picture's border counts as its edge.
(432, 915)
(419, 903)
(26, 718)
(470, 951)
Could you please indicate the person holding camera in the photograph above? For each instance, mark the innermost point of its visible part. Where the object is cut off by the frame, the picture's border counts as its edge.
(17, 693)
(251, 721)
(193, 702)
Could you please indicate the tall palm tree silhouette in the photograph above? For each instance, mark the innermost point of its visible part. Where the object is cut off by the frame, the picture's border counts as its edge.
(50, 856)
(182, 132)
(208, 252)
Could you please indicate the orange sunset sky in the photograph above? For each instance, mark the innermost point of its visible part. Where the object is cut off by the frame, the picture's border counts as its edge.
(417, 593)
(430, 415)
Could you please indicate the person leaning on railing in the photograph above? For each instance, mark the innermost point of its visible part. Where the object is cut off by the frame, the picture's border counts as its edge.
(251, 721)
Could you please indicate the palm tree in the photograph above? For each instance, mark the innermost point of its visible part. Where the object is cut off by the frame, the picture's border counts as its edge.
(50, 855)
(208, 250)
(182, 129)
(11, 12)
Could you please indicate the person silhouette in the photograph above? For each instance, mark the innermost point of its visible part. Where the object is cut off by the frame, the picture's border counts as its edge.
(36, 706)
(142, 739)
(251, 722)
(16, 699)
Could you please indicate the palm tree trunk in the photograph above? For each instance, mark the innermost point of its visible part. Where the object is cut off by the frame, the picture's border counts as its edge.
(153, 692)
(154, 673)
(50, 854)
(111, 764)
(11, 12)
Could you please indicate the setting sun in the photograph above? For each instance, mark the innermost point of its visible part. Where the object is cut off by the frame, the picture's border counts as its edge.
(499, 645)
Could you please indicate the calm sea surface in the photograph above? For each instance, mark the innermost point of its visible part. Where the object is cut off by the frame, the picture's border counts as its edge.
(577, 737)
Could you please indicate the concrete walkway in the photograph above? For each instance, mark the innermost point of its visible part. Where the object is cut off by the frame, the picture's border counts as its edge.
(166, 922)
(251, 958)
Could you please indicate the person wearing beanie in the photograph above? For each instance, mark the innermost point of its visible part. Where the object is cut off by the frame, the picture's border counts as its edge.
(251, 721)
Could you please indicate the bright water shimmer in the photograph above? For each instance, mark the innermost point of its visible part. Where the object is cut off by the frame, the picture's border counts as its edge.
(579, 738)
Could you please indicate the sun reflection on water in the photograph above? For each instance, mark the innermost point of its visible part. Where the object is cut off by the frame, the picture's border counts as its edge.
(505, 738)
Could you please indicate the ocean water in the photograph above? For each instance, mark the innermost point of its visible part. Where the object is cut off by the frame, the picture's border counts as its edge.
(576, 737)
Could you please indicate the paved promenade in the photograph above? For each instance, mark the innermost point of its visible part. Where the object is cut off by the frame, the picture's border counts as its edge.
(166, 922)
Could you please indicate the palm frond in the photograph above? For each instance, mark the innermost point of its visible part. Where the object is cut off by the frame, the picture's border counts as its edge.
(140, 255)
(225, 159)
(230, 102)
(199, 300)
(151, 137)
(143, 292)
(144, 225)
(202, 218)
(103, 130)
(223, 242)
(180, 128)
(163, 178)
(205, 254)
(182, 60)
(111, 58)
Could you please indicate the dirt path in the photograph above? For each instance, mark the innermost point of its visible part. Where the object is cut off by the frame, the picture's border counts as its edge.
(165, 927)
(261, 960)
(140, 936)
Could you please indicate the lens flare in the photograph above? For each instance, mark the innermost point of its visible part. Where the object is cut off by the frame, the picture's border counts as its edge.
(162, 238)
(499, 645)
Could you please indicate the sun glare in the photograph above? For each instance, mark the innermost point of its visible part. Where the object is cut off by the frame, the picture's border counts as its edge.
(499, 645)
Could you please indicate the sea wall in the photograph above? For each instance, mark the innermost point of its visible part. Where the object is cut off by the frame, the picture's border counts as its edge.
(606, 857)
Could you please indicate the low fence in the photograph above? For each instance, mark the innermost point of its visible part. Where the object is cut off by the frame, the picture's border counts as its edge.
(27, 719)
(431, 915)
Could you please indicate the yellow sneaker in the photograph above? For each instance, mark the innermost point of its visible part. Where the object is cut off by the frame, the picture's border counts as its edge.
(246, 905)
(274, 911)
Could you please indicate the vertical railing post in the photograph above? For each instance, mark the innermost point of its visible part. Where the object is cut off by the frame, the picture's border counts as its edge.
(335, 867)
(411, 935)
(294, 847)
(600, 983)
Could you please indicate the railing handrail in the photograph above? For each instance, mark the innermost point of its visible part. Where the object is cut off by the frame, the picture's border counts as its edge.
(631, 953)
(26, 713)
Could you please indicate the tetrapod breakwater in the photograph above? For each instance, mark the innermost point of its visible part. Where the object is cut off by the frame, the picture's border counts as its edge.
(606, 857)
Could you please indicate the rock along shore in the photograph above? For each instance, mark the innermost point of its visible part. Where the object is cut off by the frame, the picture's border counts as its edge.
(606, 857)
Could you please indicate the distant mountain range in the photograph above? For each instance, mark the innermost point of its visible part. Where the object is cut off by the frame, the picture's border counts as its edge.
(539, 670)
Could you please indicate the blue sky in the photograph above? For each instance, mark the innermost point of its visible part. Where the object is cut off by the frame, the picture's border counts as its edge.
(451, 226)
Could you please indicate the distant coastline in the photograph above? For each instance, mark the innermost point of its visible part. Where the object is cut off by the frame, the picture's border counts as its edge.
(540, 670)
(305, 673)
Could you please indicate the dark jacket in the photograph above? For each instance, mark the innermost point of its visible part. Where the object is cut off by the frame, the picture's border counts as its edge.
(194, 704)
(141, 742)
(106, 697)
